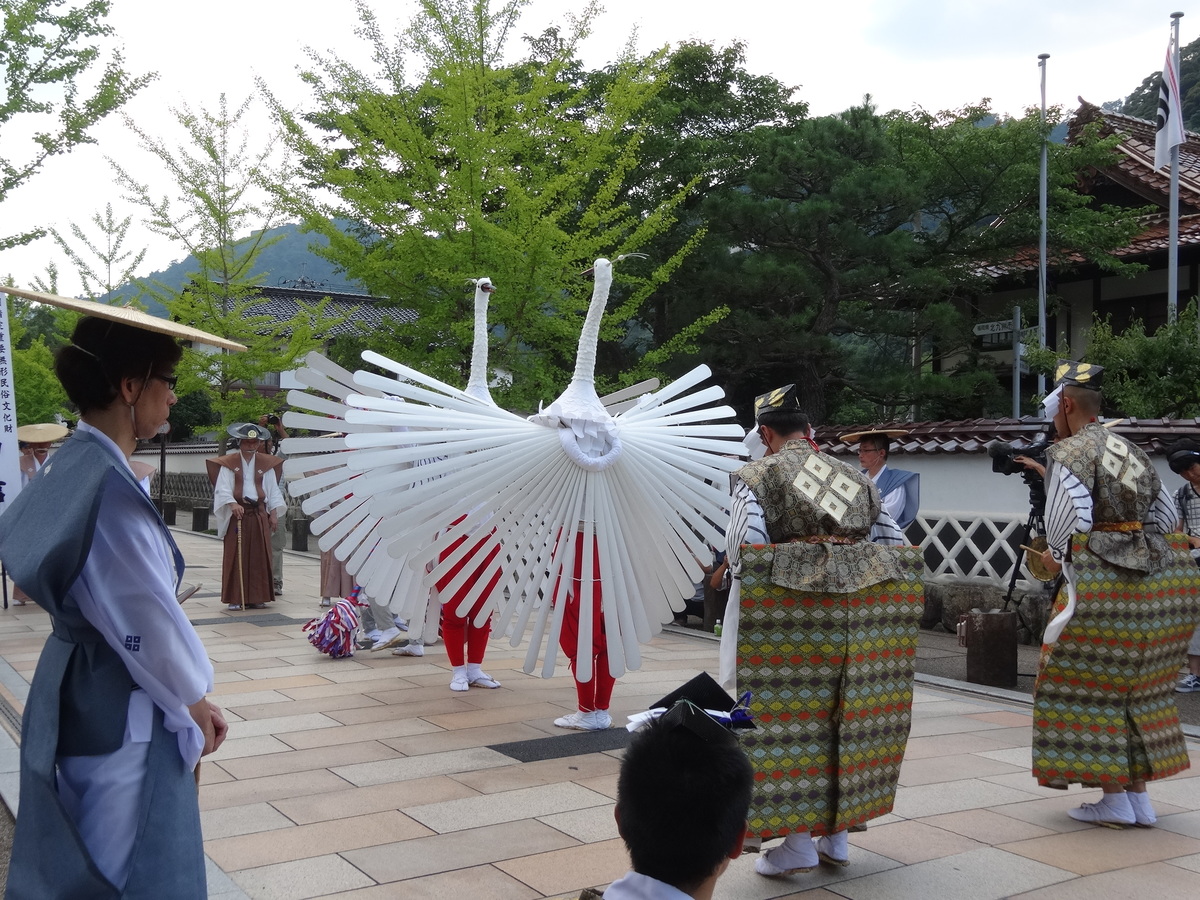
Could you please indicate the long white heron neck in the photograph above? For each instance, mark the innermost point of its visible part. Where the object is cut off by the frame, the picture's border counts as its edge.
(477, 385)
(589, 338)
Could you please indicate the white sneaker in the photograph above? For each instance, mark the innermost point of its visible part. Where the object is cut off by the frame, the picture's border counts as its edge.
(326, 601)
(594, 720)
(1188, 684)
(389, 638)
(1110, 815)
(410, 649)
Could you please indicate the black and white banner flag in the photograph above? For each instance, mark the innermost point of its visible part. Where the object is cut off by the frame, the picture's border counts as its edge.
(1170, 112)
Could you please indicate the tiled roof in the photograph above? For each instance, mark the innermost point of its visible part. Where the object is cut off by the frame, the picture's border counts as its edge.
(1154, 238)
(974, 435)
(1134, 171)
(1135, 168)
(363, 313)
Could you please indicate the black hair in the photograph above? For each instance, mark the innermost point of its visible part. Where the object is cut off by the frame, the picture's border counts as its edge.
(682, 803)
(785, 421)
(1182, 455)
(103, 352)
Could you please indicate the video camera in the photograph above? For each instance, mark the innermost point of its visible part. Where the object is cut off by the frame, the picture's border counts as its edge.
(1004, 462)
(1004, 456)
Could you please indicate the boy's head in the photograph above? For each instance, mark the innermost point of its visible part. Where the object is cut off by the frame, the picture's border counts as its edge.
(682, 803)
(1183, 457)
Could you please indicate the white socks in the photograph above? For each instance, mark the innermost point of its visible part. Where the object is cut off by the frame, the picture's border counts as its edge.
(796, 852)
(1143, 812)
(1120, 803)
(839, 844)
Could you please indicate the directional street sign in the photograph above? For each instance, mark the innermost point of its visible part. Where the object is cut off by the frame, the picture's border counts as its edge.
(1028, 335)
(993, 327)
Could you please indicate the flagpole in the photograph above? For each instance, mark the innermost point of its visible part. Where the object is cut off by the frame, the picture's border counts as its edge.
(1041, 379)
(1173, 239)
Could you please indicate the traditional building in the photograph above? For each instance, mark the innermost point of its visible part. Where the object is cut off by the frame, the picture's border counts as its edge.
(361, 315)
(1085, 292)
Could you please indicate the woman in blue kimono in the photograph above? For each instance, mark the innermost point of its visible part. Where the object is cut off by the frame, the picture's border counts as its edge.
(117, 716)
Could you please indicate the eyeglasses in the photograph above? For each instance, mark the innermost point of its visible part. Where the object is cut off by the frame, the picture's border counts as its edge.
(168, 380)
(862, 451)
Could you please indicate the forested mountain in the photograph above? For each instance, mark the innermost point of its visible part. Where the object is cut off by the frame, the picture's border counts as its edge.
(286, 261)
(1143, 102)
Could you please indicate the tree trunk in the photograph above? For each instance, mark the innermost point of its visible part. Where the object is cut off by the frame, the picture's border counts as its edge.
(811, 391)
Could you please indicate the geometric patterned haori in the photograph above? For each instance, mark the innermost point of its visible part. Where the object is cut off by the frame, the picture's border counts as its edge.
(831, 682)
(1104, 705)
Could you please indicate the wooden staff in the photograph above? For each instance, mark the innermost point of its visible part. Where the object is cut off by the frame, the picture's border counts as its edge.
(241, 564)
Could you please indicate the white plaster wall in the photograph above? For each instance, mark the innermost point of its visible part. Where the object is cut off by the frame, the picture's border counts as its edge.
(189, 462)
(963, 485)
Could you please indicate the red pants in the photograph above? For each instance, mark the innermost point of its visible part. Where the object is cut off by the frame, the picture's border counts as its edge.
(597, 693)
(463, 638)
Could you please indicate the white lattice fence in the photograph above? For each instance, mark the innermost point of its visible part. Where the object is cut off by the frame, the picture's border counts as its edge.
(960, 546)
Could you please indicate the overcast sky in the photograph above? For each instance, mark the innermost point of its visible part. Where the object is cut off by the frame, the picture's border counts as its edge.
(937, 54)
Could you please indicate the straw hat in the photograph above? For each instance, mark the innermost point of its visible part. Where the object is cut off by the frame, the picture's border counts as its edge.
(888, 433)
(126, 315)
(42, 433)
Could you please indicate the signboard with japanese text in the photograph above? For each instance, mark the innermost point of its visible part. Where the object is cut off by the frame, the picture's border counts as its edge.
(10, 453)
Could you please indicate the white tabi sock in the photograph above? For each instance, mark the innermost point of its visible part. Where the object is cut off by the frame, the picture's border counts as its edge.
(1119, 802)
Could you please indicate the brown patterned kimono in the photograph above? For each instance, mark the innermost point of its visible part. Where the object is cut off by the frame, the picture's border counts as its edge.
(826, 645)
(1104, 705)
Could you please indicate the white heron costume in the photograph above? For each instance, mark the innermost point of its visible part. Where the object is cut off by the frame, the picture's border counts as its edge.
(644, 488)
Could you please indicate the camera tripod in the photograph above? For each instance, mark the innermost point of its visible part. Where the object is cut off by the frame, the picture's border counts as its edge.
(1035, 524)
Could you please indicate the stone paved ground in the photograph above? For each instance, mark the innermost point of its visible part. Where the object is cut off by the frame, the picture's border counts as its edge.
(367, 778)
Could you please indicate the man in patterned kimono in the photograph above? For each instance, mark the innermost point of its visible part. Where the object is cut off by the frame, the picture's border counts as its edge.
(823, 624)
(1104, 707)
(248, 504)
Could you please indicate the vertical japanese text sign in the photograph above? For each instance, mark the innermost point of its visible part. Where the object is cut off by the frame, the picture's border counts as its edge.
(10, 454)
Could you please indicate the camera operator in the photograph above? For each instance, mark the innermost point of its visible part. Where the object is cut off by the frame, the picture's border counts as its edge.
(279, 536)
(1032, 464)
(274, 425)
